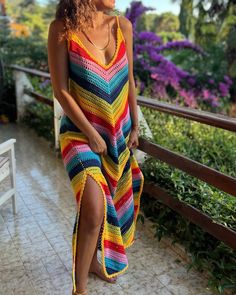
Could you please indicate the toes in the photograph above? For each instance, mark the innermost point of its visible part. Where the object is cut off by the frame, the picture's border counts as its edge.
(99, 272)
(114, 279)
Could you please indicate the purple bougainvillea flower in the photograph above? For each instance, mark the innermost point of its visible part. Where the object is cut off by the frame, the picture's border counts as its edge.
(191, 81)
(178, 45)
(167, 79)
(44, 83)
(215, 101)
(228, 81)
(136, 10)
(150, 37)
(211, 81)
(206, 94)
(224, 89)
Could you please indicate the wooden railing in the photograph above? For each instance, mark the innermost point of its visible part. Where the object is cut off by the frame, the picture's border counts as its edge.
(208, 118)
(211, 176)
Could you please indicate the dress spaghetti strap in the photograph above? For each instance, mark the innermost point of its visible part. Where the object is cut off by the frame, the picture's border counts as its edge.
(119, 28)
(117, 19)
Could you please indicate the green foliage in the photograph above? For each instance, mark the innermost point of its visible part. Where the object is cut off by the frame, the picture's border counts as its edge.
(216, 149)
(41, 86)
(231, 51)
(205, 144)
(40, 117)
(171, 36)
(166, 25)
(50, 10)
(206, 22)
(211, 23)
(25, 51)
(212, 64)
(33, 20)
(145, 22)
(8, 99)
(30, 52)
(166, 22)
(227, 25)
(35, 16)
(218, 205)
(186, 18)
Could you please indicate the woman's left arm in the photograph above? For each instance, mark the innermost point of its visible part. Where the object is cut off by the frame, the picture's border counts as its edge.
(127, 30)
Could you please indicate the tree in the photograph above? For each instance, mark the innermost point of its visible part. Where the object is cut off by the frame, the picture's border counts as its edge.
(166, 25)
(214, 24)
(166, 22)
(186, 19)
(50, 10)
(205, 20)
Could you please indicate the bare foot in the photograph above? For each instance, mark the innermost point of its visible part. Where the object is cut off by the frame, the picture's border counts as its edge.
(97, 269)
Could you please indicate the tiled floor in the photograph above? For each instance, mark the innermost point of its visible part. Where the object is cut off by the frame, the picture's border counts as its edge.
(35, 245)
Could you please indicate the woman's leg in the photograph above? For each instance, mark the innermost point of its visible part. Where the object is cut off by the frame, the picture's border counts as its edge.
(90, 221)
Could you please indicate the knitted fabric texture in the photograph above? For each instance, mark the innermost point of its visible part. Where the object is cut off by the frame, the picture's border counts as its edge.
(101, 91)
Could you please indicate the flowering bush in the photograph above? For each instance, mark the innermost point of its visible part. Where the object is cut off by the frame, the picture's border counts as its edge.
(42, 85)
(167, 80)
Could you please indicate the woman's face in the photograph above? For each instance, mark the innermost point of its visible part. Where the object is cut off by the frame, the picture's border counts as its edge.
(104, 4)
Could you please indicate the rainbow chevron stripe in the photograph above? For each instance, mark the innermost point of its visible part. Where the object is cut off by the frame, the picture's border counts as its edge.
(101, 91)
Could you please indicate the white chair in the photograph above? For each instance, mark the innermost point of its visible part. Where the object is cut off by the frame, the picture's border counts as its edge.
(8, 167)
(58, 113)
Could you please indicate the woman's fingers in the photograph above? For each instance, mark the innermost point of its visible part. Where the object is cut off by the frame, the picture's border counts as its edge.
(135, 144)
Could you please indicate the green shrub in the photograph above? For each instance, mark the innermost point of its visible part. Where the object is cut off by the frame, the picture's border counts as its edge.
(211, 146)
(41, 85)
(215, 148)
(40, 117)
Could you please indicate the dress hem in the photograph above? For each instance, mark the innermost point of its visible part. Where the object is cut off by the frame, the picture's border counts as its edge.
(86, 173)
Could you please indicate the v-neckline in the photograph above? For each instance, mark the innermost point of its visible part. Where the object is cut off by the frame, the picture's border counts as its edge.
(92, 55)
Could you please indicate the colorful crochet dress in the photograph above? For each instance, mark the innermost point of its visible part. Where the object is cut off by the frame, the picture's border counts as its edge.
(101, 91)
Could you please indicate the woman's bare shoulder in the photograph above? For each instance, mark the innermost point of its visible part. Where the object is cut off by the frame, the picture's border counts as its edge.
(56, 26)
(125, 23)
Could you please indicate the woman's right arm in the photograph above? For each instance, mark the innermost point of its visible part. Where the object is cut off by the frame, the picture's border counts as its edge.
(58, 67)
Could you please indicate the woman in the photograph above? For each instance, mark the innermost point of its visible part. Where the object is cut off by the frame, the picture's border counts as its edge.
(91, 66)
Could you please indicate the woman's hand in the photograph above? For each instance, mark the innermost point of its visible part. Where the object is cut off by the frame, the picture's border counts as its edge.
(98, 144)
(133, 139)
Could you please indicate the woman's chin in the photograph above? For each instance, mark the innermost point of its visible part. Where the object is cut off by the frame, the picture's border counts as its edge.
(112, 4)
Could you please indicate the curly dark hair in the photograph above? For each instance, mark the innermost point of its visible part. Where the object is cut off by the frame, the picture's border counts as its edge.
(76, 15)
